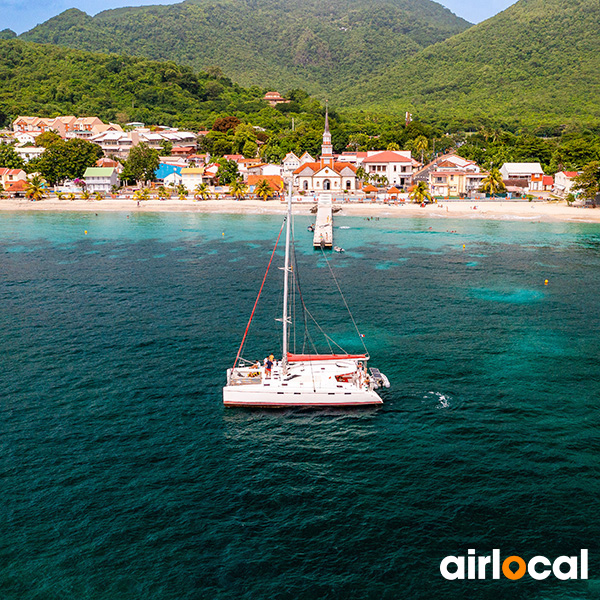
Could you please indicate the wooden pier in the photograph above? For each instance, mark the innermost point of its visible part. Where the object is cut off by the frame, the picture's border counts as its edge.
(323, 236)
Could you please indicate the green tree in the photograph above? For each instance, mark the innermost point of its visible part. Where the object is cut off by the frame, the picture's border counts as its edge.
(166, 148)
(227, 172)
(421, 145)
(238, 189)
(141, 164)
(588, 181)
(263, 189)
(36, 188)
(85, 194)
(182, 191)
(420, 193)
(46, 139)
(201, 191)
(9, 159)
(2, 191)
(492, 183)
(162, 192)
(66, 159)
(224, 124)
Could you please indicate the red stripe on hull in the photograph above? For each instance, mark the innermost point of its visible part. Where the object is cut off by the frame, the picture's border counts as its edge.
(300, 404)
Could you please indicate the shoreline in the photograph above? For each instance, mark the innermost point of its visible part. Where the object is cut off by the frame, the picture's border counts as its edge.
(496, 210)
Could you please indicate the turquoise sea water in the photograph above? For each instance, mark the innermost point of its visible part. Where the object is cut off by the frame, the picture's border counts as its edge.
(122, 476)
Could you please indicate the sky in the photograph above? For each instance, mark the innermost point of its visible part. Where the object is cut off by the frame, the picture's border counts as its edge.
(22, 15)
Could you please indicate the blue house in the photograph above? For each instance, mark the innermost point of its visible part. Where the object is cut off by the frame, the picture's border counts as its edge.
(165, 170)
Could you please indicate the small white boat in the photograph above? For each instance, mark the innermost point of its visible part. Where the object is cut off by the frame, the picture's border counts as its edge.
(308, 380)
(338, 249)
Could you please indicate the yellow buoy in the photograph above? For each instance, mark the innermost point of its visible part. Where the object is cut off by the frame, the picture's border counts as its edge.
(545, 282)
(85, 232)
(223, 234)
(464, 246)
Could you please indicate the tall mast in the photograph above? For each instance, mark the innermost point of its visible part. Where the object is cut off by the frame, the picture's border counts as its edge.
(286, 273)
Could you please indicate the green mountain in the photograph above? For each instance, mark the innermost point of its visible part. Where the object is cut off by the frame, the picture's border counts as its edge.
(538, 62)
(49, 80)
(281, 44)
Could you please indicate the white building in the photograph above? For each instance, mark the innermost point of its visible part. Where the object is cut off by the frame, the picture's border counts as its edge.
(531, 171)
(563, 182)
(28, 153)
(100, 179)
(396, 166)
(289, 164)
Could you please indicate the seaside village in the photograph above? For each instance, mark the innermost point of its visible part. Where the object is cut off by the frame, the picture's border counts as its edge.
(386, 176)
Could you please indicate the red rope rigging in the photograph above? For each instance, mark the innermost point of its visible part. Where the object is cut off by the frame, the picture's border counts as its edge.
(258, 297)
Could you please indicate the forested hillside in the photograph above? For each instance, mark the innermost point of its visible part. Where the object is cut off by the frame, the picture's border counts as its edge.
(317, 45)
(536, 62)
(48, 80)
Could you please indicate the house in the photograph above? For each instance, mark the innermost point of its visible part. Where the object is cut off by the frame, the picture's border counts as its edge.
(325, 175)
(548, 183)
(451, 161)
(290, 163)
(306, 158)
(17, 189)
(396, 167)
(530, 171)
(100, 179)
(193, 176)
(274, 98)
(563, 182)
(165, 169)
(11, 176)
(449, 182)
(28, 153)
(274, 181)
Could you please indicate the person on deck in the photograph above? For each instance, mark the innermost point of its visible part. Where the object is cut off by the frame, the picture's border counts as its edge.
(268, 366)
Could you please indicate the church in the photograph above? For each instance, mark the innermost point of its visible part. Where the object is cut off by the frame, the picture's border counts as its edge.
(326, 175)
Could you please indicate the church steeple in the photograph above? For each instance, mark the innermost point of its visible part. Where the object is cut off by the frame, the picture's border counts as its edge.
(327, 148)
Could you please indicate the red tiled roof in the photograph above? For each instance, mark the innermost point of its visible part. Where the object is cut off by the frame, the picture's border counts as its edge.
(571, 174)
(387, 156)
(17, 186)
(275, 181)
(393, 190)
(548, 180)
(317, 166)
(369, 188)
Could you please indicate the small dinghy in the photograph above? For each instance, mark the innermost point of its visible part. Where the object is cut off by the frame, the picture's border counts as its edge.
(339, 249)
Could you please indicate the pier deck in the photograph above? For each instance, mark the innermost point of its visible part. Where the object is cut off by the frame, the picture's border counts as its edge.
(323, 235)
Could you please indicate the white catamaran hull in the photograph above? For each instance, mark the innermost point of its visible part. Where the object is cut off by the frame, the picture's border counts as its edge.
(238, 396)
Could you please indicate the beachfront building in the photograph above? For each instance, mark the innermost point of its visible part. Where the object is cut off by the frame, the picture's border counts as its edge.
(193, 176)
(10, 176)
(395, 166)
(563, 182)
(325, 175)
(450, 182)
(289, 164)
(100, 179)
(28, 153)
(532, 172)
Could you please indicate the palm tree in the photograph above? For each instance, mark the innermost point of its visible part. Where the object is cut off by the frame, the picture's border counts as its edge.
(238, 189)
(2, 192)
(163, 193)
(393, 147)
(493, 183)
(59, 195)
(421, 144)
(263, 189)
(71, 196)
(98, 196)
(85, 195)
(420, 193)
(35, 188)
(202, 191)
(143, 194)
(182, 191)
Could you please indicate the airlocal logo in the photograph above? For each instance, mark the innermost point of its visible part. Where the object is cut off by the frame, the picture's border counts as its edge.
(514, 567)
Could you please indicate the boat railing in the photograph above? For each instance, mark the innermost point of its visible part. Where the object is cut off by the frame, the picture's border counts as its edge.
(244, 376)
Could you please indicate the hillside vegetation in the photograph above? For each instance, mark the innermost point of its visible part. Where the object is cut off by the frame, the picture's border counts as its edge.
(49, 80)
(536, 62)
(282, 44)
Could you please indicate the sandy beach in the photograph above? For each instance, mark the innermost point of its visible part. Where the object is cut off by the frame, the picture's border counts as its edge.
(504, 210)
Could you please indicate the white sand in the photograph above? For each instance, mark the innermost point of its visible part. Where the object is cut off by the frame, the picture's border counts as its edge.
(505, 210)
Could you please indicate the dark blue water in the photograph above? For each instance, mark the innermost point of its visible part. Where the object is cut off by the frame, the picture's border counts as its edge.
(122, 476)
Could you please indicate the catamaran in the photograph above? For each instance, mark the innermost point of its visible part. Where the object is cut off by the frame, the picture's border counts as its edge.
(308, 380)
